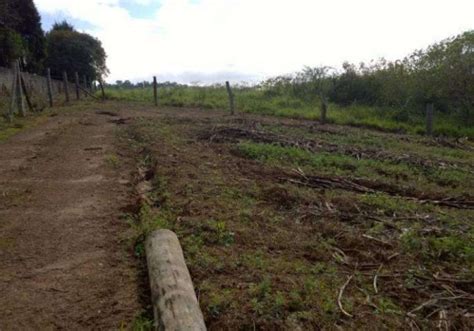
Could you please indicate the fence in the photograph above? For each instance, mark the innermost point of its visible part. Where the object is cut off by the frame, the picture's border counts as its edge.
(38, 91)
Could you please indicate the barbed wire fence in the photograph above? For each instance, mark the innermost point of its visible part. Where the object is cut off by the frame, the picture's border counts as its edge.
(22, 92)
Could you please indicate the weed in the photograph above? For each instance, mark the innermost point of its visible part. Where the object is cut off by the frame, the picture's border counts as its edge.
(443, 248)
(112, 160)
(255, 260)
(218, 301)
(140, 323)
(223, 236)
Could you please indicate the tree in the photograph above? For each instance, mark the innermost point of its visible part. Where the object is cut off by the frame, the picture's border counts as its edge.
(21, 18)
(11, 46)
(445, 74)
(72, 51)
(315, 83)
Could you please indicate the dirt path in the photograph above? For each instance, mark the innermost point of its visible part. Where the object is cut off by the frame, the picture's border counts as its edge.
(63, 261)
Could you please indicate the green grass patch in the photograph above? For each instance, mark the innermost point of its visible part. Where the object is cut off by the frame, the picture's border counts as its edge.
(343, 165)
(255, 100)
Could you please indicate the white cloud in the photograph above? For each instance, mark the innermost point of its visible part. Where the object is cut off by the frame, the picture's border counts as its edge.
(261, 37)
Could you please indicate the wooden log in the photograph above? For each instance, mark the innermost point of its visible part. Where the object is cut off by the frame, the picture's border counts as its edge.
(66, 87)
(76, 81)
(175, 306)
(155, 90)
(429, 119)
(231, 98)
(50, 88)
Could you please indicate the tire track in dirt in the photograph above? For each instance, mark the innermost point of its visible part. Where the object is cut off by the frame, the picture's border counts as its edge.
(62, 262)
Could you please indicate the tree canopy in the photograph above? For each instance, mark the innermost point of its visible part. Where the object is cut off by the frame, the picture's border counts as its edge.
(61, 49)
(21, 35)
(72, 51)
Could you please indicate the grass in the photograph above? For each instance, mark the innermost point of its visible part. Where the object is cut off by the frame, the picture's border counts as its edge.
(342, 165)
(32, 119)
(18, 124)
(254, 100)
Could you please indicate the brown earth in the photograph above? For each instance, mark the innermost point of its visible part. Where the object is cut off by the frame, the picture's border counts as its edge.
(64, 260)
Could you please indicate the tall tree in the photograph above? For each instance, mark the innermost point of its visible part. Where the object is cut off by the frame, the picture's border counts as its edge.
(20, 17)
(72, 51)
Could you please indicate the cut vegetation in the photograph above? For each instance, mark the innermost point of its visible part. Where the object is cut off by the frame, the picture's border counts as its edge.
(288, 224)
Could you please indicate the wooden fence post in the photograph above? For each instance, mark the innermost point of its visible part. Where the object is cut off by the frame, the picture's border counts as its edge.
(78, 92)
(155, 90)
(84, 83)
(429, 119)
(102, 89)
(25, 91)
(50, 88)
(19, 92)
(231, 98)
(324, 110)
(13, 95)
(66, 87)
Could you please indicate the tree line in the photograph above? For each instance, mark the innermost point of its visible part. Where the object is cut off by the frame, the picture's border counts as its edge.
(62, 49)
(442, 74)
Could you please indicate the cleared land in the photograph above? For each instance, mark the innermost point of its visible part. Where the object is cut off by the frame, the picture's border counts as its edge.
(276, 215)
(286, 223)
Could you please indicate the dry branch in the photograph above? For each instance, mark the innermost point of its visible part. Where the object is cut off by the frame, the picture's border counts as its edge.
(368, 186)
(339, 297)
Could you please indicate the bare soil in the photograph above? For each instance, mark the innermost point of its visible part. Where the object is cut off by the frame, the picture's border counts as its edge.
(64, 260)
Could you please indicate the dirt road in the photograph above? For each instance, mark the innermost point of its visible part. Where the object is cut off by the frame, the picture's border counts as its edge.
(63, 258)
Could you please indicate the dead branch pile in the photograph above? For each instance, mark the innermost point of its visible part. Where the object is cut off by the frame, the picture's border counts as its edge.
(368, 186)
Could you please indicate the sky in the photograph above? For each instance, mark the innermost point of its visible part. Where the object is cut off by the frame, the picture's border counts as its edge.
(211, 41)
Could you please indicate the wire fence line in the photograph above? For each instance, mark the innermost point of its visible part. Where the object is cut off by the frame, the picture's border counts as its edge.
(38, 91)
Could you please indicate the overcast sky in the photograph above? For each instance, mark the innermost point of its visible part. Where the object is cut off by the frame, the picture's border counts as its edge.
(217, 40)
